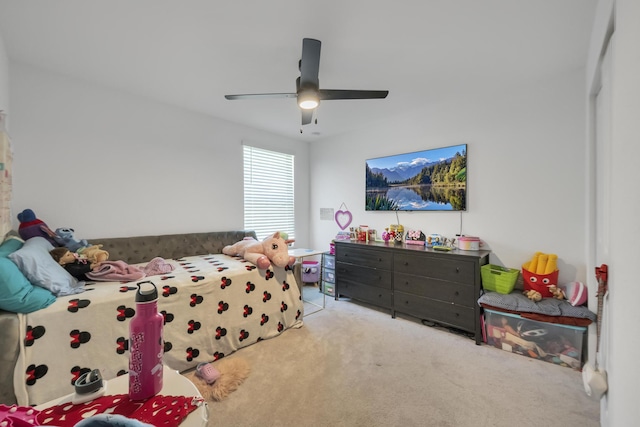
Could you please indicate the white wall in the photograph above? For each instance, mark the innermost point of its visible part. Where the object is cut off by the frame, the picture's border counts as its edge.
(525, 171)
(109, 164)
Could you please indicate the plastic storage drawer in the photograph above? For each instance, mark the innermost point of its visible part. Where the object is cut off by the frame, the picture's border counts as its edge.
(552, 342)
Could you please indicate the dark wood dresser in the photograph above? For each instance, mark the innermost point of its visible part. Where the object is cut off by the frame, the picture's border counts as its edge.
(442, 287)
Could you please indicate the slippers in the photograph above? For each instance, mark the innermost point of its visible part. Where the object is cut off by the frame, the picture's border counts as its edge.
(207, 372)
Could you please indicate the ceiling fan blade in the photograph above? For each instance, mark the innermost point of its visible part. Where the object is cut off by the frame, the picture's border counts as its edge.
(310, 63)
(329, 94)
(261, 95)
(307, 85)
(307, 116)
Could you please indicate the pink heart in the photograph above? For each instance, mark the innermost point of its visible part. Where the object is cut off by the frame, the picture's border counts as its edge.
(343, 218)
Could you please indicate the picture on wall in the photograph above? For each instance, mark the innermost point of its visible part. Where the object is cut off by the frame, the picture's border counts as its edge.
(429, 180)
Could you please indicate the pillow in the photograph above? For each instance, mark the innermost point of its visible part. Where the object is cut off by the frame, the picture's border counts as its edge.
(17, 294)
(39, 267)
(575, 292)
(516, 301)
(10, 245)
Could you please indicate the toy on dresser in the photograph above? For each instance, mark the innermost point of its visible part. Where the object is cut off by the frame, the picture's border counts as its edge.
(393, 233)
(415, 237)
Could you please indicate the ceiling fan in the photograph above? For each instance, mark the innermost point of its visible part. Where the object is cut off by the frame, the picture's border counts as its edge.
(308, 90)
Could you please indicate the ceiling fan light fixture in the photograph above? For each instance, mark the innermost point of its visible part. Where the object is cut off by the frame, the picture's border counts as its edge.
(308, 93)
(308, 100)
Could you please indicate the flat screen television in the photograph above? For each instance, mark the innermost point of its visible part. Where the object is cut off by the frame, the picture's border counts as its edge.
(429, 180)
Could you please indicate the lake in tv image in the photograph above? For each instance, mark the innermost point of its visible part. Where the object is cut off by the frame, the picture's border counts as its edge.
(429, 180)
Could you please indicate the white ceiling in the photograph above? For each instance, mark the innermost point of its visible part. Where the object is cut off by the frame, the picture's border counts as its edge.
(190, 53)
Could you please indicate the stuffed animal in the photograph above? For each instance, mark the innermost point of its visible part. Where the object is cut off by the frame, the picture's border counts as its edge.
(556, 292)
(64, 237)
(534, 296)
(272, 250)
(94, 254)
(30, 226)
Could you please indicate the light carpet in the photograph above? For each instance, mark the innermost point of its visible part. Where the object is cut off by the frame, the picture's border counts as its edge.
(353, 365)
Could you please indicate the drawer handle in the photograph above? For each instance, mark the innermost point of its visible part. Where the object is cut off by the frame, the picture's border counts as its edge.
(456, 293)
(457, 269)
(406, 263)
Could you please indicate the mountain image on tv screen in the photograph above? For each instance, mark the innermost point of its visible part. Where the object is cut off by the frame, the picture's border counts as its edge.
(429, 180)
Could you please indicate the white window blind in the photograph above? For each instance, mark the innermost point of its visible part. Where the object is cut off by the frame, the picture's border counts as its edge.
(268, 192)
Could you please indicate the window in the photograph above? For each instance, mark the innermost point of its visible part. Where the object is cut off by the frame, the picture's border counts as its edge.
(268, 192)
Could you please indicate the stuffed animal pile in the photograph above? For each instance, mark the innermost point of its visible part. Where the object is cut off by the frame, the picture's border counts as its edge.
(31, 226)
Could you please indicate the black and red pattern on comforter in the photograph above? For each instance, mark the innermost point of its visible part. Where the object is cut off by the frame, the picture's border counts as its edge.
(212, 305)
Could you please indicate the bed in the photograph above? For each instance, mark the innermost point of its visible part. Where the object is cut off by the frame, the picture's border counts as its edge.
(213, 305)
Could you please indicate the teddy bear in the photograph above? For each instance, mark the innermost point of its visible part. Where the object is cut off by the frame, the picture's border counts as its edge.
(557, 292)
(64, 237)
(31, 226)
(273, 249)
(534, 296)
(94, 253)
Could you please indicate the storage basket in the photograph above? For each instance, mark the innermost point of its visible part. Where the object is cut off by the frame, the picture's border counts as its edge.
(310, 271)
(498, 279)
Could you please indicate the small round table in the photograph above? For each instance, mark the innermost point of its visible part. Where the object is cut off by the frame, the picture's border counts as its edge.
(173, 384)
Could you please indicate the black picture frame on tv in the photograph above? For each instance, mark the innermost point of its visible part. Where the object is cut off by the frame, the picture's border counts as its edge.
(428, 180)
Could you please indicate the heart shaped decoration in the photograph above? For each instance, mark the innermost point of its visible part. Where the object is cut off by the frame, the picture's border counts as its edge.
(343, 219)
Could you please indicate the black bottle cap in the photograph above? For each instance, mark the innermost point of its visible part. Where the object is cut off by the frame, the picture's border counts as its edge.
(148, 294)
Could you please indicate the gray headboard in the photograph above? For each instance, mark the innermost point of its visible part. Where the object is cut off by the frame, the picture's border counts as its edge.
(139, 249)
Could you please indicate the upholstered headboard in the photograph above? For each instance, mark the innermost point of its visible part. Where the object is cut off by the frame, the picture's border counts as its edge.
(133, 250)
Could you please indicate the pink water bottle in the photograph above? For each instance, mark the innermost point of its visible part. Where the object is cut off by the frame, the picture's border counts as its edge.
(145, 344)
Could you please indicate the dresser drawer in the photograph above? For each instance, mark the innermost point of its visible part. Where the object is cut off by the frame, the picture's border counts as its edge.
(442, 290)
(372, 295)
(367, 257)
(438, 311)
(454, 270)
(349, 273)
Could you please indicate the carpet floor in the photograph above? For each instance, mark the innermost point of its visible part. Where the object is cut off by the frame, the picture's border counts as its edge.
(353, 365)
